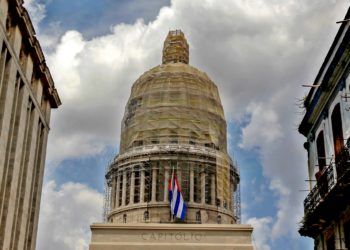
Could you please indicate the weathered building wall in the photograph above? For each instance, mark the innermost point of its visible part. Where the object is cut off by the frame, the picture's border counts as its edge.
(326, 126)
(27, 94)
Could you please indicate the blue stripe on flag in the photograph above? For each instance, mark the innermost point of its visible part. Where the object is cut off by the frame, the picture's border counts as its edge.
(183, 214)
(177, 202)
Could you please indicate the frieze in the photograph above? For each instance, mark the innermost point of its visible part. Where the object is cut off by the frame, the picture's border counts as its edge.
(178, 236)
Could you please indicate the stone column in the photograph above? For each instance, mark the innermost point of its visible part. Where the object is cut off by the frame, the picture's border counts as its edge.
(113, 192)
(118, 191)
(166, 184)
(191, 184)
(132, 187)
(154, 184)
(142, 187)
(339, 236)
(178, 175)
(213, 191)
(124, 189)
(203, 186)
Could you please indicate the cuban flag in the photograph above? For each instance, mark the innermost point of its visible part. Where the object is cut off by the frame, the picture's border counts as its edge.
(177, 204)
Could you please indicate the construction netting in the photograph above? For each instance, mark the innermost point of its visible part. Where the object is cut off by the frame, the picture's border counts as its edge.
(178, 104)
(174, 103)
(174, 107)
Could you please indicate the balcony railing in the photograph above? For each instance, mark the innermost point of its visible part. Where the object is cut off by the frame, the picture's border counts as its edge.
(328, 179)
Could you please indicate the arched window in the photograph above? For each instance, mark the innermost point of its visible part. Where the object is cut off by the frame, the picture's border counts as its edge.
(321, 153)
(337, 130)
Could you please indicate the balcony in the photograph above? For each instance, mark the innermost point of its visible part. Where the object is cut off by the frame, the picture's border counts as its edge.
(329, 196)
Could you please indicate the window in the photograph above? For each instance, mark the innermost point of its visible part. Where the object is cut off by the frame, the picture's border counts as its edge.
(347, 234)
(174, 141)
(321, 153)
(337, 130)
(197, 184)
(8, 26)
(210, 145)
(192, 141)
(198, 216)
(146, 216)
(148, 183)
(119, 201)
(185, 180)
(124, 218)
(160, 183)
(154, 141)
(219, 219)
(330, 243)
(193, 138)
(137, 184)
(208, 185)
(128, 184)
(138, 143)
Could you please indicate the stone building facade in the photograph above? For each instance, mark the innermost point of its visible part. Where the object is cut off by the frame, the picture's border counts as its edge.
(173, 122)
(27, 95)
(326, 125)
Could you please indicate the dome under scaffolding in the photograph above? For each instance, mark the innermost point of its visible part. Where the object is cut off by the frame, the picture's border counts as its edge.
(173, 121)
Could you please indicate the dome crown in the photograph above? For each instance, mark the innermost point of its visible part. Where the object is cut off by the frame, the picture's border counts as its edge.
(175, 48)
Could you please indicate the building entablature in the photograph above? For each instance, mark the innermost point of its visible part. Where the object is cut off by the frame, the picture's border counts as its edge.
(13, 14)
(332, 82)
(192, 153)
(330, 75)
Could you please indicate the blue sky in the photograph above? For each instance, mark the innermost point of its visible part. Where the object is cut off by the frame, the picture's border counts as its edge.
(257, 52)
(94, 18)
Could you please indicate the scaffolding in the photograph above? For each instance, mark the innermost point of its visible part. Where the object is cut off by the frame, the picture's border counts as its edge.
(174, 119)
(237, 200)
(107, 197)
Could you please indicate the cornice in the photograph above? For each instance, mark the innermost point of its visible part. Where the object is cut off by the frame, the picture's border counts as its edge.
(21, 15)
(172, 227)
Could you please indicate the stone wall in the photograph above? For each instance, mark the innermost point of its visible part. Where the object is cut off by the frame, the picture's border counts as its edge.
(27, 95)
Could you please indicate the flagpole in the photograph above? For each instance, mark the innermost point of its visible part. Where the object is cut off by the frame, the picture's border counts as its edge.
(171, 183)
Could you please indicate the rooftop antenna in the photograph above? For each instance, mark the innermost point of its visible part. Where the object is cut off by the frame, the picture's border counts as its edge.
(311, 85)
(344, 21)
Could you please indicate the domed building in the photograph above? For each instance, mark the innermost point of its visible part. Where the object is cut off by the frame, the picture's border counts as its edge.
(173, 123)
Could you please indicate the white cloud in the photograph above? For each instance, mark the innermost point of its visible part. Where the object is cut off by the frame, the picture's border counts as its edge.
(94, 76)
(67, 60)
(258, 53)
(264, 126)
(66, 214)
(262, 227)
(282, 156)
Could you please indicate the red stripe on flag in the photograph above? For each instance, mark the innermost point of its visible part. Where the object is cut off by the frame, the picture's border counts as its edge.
(177, 183)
